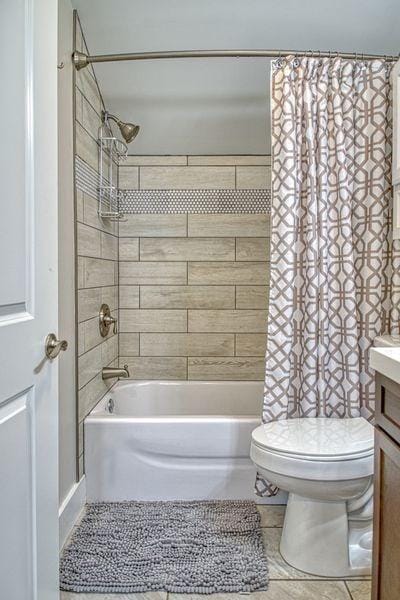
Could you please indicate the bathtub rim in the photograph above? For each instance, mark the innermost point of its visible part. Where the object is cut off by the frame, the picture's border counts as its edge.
(98, 413)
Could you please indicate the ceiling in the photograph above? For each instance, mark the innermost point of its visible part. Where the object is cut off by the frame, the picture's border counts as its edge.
(217, 106)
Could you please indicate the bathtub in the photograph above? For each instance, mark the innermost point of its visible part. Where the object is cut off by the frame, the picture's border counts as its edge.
(169, 440)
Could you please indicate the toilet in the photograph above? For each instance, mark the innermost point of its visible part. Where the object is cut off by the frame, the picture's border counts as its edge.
(326, 466)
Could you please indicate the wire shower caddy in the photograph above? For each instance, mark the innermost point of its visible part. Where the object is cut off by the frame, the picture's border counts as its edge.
(111, 152)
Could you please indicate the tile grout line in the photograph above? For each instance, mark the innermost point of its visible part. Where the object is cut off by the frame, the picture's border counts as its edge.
(348, 590)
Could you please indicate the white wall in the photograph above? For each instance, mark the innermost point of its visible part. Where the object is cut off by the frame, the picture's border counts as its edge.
(67, 394)
(217, 106)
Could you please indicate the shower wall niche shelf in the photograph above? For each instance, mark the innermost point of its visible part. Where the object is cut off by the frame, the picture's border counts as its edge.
(111, 152)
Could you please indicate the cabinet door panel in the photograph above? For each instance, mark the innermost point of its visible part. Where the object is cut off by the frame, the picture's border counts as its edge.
(387, 407)
(386, 576)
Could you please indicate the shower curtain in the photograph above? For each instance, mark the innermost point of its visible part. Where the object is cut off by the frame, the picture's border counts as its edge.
(334, 272)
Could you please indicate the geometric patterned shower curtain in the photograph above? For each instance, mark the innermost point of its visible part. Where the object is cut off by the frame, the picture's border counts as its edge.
(334, 273)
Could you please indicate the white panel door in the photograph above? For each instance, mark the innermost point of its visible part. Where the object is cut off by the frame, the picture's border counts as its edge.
(28, 300)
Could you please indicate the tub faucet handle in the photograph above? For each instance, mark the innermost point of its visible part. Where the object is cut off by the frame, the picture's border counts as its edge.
(106, 320)
(114, 320)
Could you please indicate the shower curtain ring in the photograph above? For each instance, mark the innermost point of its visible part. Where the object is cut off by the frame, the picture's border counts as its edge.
(279, 61)
(364, 62)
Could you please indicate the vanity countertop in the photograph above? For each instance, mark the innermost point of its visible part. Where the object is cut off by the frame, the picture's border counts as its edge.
(386, 361)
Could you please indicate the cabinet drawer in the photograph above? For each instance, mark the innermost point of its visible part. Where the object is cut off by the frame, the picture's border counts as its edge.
(388, 406)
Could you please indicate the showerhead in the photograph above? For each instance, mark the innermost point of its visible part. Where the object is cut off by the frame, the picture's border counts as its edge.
(128, 130)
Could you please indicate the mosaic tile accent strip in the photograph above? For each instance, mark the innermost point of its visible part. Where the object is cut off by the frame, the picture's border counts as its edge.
(195, 201)
(178, 201)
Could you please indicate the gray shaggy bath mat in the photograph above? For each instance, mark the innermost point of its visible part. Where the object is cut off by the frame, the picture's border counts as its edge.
(186, 547)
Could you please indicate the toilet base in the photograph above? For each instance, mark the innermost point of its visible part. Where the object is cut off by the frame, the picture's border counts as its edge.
(321, 538)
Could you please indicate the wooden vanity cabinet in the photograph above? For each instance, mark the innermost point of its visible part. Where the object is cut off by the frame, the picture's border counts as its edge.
(386, 549)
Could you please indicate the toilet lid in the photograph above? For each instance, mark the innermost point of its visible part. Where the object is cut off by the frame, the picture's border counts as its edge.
(317, 436)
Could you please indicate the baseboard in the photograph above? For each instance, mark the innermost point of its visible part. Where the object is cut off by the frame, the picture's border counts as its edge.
(70, 509)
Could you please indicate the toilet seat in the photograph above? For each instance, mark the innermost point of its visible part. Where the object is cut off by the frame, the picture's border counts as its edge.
(315, 448)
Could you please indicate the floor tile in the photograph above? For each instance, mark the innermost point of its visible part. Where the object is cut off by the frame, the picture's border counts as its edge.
(147, 596)
(278, 568)
(360, 590)
(282, 590)
(272, 515)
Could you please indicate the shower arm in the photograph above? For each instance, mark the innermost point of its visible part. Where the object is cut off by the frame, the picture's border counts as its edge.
(106, 116)
(82, 60)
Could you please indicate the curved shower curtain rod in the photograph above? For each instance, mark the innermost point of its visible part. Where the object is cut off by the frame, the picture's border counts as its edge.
(82, 60)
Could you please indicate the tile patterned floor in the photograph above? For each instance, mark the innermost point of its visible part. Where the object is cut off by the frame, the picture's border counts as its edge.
(286, 583)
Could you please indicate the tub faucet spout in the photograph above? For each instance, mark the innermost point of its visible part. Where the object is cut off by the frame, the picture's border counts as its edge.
(114, 372)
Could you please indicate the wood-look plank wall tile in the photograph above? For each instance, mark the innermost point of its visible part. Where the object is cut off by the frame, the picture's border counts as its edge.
(252, 296)
(128, 178)
(153, 225)
(157, 161)
(90, 119)
(91, 216)
(91, 393)
(88, 241)
(238, 369)
(252, 249)
(89, 364)
(135, 273)
(190, 296)
(233, 159)
(128, 248)
(86, 147)
(142, 367)
(109, 246)
(109, 350)
(186, 344)
(185, 178)
(253, 178)
(79, 205)
(137, 320)
(158, 249)
(250, 344)
(87, 85)
(129, 296)
(129, 344)
(228, 225)
(228, 273)
(98, 272)
(238, 321)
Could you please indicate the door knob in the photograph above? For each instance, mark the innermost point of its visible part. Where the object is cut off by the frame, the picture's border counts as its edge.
(53, 346)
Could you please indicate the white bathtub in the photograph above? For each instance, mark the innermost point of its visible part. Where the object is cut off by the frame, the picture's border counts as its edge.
(169, 440)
